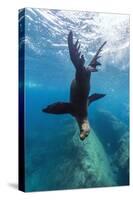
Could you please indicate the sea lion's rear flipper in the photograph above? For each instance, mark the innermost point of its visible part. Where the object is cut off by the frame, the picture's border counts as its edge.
(74, 51)
(92, 66)
(95, 97)
(59, 108)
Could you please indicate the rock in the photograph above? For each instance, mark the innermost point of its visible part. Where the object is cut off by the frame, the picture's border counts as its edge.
(66, 162)
(86, 165)
(94, 162)
(109, 130)
(121, 160)
(115, 138)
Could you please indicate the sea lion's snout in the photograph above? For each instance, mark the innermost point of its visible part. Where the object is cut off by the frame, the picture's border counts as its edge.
(84, 128)
(84, 134)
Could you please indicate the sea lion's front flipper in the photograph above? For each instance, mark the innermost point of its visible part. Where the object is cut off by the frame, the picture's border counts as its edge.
(59, 108)
(95, 97)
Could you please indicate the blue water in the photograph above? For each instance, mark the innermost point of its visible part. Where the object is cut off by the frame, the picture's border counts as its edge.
(55, 158)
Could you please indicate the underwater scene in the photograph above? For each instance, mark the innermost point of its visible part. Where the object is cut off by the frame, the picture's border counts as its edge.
(55, 156)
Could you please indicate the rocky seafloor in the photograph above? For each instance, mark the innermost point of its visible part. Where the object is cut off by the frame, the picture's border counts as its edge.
(66, 162)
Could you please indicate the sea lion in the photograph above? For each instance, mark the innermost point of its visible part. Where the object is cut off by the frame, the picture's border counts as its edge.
(80, 88)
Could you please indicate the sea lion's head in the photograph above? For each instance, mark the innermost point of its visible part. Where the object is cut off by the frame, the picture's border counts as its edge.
(84, 128)
(84, 131)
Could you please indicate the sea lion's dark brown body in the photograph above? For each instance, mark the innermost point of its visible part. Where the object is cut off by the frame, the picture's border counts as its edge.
(79, 90)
